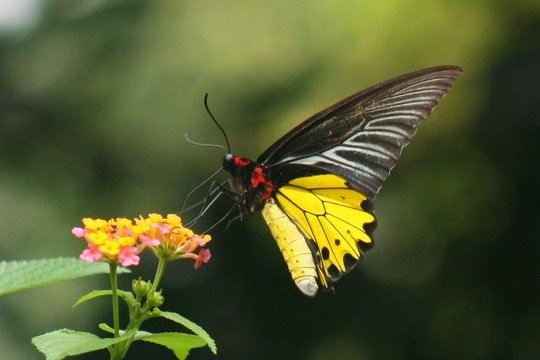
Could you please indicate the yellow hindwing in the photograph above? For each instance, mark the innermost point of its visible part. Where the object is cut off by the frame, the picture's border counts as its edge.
(335, 221)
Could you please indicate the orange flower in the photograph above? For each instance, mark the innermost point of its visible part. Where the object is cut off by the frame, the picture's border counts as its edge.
(121, 240)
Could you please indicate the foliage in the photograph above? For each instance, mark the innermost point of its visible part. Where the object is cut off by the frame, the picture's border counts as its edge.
(113, 242)
(20, 275)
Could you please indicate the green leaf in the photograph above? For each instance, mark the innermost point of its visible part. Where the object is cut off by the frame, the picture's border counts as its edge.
(191, 326)
(20, 275)
(97, 293)
(179, 343)
(91, 295)
(106, 328)
(59, 344)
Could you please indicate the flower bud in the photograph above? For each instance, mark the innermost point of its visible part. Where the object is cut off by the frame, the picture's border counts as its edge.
(141, 287)
(155, 299)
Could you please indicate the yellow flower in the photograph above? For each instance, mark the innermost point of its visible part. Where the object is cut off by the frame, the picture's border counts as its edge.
(110, 249)
(109, 240)
(174, 220)
(97, 238)
(121, 240)
(94, 224)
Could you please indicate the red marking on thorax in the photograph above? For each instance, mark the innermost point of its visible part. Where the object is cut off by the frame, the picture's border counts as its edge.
(258, 178)
(238, 161)
(268, 191)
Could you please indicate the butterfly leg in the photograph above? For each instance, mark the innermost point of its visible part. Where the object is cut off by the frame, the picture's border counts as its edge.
(210, 178)
(213, 195)
(215, 191)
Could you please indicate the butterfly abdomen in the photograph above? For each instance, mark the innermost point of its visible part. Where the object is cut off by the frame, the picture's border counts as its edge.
(294, 248)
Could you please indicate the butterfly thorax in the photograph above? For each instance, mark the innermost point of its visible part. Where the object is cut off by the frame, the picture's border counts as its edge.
(251, 183)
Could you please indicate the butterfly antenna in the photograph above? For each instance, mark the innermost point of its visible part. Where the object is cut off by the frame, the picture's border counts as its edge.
(216, 122)
(193, 142)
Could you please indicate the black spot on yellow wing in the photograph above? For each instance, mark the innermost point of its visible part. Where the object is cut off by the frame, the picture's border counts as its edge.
(367, 205)
(349, 261)
(337, 221)
(333, 273)
(325, 253)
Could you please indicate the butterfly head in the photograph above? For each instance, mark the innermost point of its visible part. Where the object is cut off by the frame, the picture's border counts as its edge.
(228, 163)
(232, 163)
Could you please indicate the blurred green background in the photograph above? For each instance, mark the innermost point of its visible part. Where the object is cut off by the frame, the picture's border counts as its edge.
(95, 97)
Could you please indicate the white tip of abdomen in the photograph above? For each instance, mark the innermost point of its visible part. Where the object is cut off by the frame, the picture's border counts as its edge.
(308, 287)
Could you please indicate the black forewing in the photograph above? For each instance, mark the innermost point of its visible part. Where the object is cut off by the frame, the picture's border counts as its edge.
(361, 137)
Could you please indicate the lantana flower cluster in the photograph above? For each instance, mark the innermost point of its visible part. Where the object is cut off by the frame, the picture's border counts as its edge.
(121, 240)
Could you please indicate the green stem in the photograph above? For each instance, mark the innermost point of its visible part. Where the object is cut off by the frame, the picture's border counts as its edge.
(162, 264)
(116, 317)
(136, 319)
(114, 288)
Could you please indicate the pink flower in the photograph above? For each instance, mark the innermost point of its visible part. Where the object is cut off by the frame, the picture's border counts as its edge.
(203, 257)
(199, 240)
(92, 253)
(146, 241)
(121, 240)
(162, 227)
(128, 256)
(78, 232)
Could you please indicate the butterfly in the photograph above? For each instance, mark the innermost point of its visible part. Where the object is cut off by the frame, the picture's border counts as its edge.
(315, 185)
